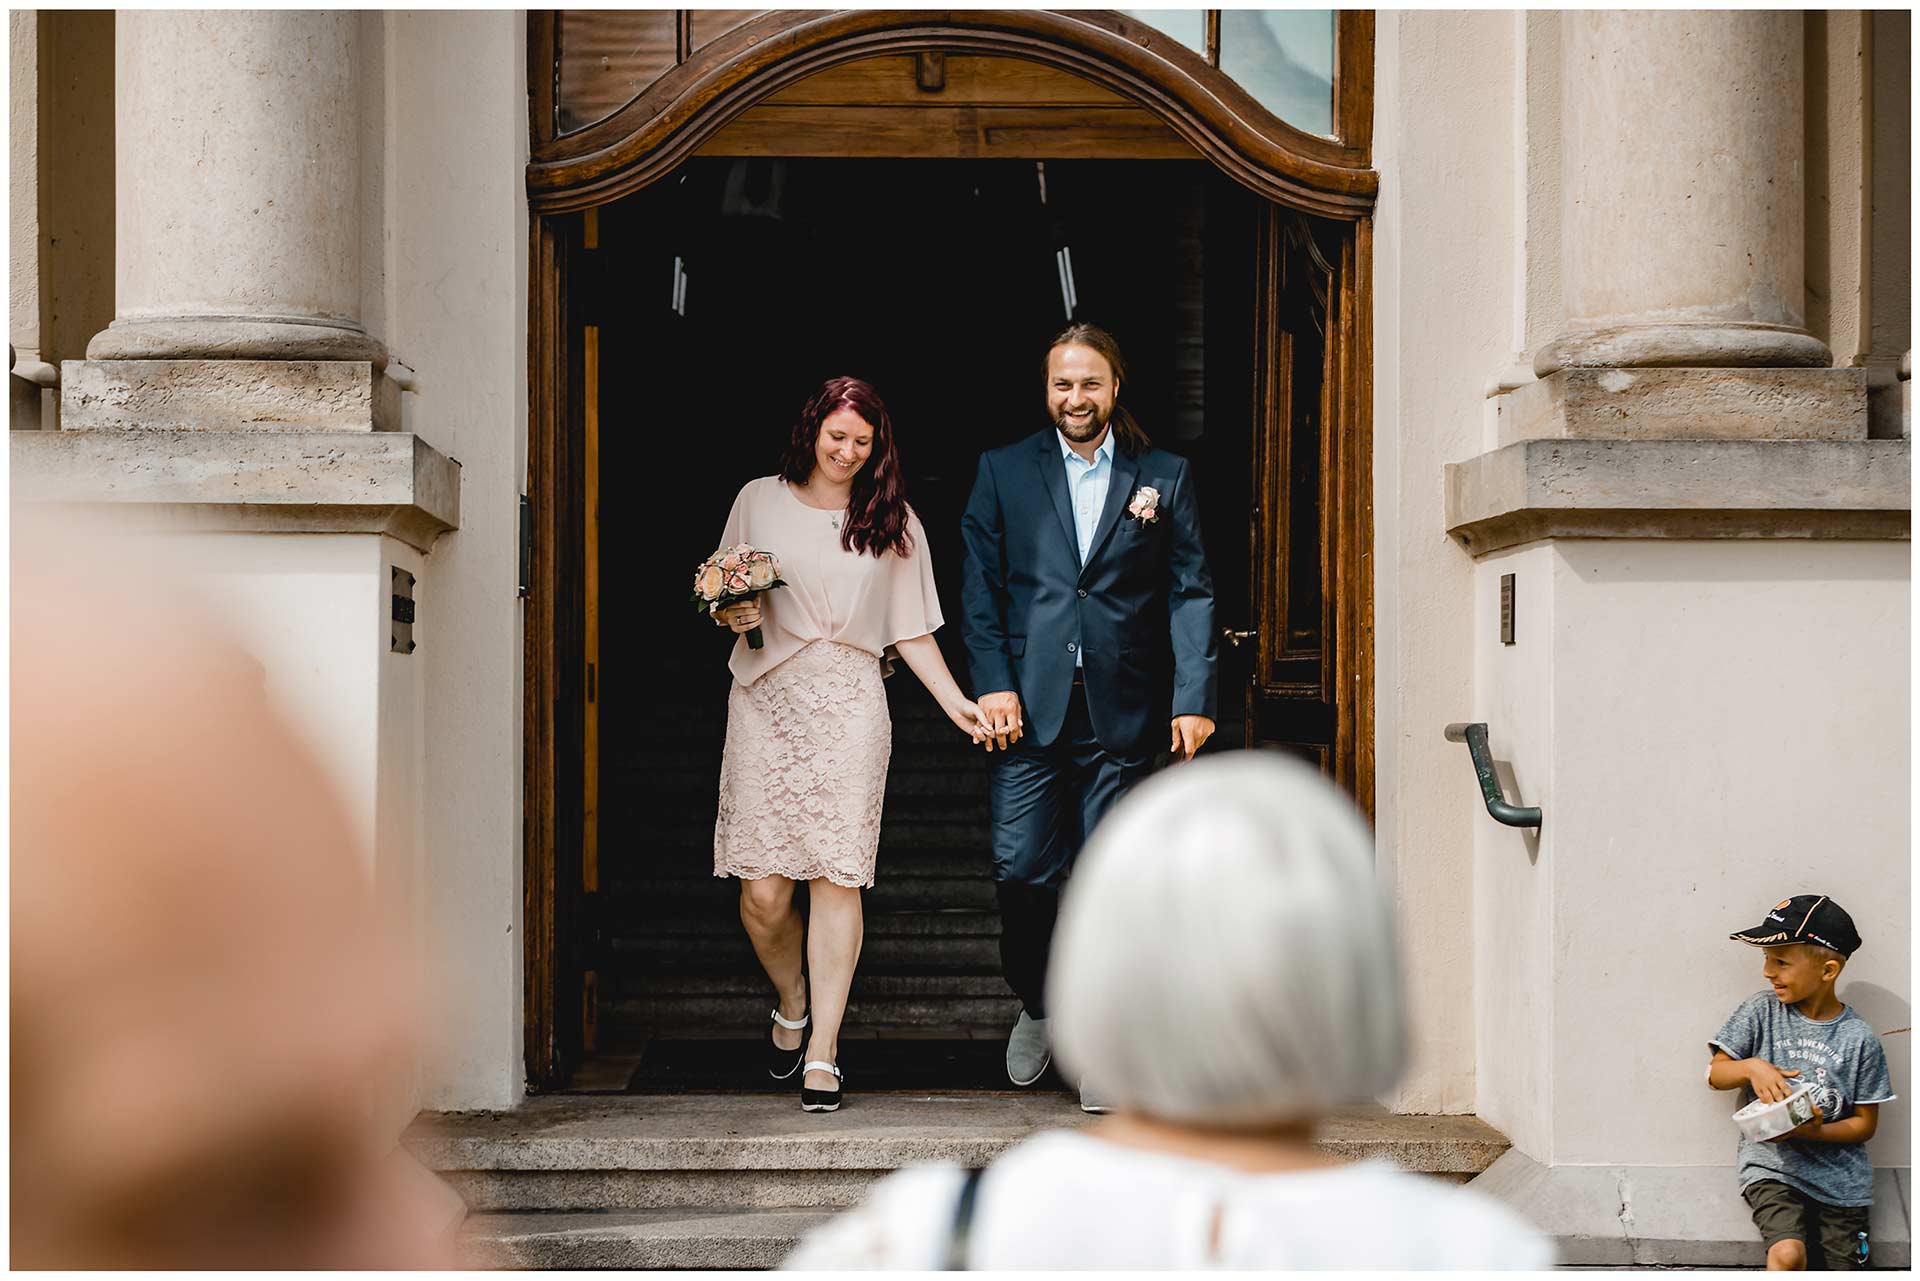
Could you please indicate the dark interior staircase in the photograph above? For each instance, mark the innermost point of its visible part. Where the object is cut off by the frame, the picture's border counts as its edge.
(675, 961)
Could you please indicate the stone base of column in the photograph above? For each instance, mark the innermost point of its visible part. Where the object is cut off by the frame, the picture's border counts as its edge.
(305, 482)
(227, 395)
(1667, 1216)
(1692, 489)
(1687, 404)
(234, 338)
(1713, 344)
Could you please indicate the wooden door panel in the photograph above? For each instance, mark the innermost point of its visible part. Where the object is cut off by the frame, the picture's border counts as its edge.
(1294, 693)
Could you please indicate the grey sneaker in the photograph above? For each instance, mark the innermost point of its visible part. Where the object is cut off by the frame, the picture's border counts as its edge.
(1090, 1101)
(1028, 1052)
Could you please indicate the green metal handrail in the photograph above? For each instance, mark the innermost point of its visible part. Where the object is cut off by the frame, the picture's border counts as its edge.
(1474, 735)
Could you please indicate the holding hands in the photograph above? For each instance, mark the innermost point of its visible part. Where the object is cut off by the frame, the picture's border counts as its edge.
(1000, 714)
(967, 716)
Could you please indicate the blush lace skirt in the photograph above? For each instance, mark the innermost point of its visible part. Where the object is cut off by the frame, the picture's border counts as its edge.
(805, 770)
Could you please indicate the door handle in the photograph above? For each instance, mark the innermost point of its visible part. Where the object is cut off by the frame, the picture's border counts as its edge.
(1236, 639)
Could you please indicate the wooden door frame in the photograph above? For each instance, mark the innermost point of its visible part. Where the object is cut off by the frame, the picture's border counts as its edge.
(711, 86)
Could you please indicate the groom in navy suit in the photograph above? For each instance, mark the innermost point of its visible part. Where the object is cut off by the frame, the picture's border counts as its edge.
(1089, 627)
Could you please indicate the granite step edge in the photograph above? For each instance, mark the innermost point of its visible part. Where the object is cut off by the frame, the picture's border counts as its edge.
(652, 1239)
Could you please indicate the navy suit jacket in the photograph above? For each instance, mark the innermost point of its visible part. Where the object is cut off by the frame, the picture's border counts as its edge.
(1139, 613)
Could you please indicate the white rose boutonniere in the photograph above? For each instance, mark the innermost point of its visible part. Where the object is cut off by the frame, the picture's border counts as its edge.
(1145, 506)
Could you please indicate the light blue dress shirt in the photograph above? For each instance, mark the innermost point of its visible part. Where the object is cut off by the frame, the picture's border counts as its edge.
(1087, 484)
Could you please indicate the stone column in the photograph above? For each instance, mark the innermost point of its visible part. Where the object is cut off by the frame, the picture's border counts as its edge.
(1684, 137)
(236, 388)
(26, 372)
(238, 168)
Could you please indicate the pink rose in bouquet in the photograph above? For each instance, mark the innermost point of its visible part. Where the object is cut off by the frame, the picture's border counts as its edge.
(735, 574)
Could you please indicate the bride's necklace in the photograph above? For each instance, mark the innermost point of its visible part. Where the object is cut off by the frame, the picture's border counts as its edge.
(833, 517)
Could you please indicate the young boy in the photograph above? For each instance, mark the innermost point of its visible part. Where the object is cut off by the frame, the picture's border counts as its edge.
(1810, 1189)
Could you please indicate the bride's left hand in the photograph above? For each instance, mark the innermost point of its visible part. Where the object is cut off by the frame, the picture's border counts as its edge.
(965, 714)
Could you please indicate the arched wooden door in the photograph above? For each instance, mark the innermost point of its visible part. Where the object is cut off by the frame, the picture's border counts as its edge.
(741, 82)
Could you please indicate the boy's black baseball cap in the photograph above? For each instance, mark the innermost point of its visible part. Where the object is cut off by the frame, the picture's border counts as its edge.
(1804, 918)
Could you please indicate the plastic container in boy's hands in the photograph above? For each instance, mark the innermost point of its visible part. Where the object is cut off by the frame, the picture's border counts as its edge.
(1762, 1121)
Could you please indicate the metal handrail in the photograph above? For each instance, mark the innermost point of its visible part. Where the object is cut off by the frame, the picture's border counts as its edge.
(1474, 735)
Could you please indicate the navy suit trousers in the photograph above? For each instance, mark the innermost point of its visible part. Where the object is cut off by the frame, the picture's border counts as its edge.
(1046, 801)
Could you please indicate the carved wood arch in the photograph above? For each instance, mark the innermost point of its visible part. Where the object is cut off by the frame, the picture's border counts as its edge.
(715, 83)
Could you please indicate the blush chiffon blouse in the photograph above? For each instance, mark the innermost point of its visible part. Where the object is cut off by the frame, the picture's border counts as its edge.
(851, 598)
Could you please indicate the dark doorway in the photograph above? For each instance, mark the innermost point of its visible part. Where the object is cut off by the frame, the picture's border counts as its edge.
(718, 299)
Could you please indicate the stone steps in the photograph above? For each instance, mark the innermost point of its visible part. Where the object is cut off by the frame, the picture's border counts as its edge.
(732, 1180)
(927, 888)
(908, 778)
(682, 1240)
(706, 1004)
(674, 828)
(677, 932)
(687, 869)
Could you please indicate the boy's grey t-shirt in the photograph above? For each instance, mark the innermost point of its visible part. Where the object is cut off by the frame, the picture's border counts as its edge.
(1843, 1059)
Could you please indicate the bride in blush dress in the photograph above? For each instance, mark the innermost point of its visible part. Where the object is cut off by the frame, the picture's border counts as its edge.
(808, 735)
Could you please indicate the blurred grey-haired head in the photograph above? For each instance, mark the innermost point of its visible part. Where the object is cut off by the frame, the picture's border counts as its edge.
(1225, 955)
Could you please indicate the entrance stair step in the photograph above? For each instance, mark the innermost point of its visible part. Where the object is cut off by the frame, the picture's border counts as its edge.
(682, 898)
(686, 868)
(732, 1180)
(679, 1240)
(910, 777)
(685, 830)
(954, 922)
(743, 1015)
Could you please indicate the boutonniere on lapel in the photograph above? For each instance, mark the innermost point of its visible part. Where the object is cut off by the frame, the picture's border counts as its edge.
(1145, 506)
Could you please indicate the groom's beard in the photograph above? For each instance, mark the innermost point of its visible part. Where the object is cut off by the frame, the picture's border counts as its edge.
(1082, 432)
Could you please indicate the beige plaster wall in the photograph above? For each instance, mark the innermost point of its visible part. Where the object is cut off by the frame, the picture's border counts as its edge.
(1728, 725)
(314, 610)
(310, 608)
(1513, 872)
(450, 302)
(1444, 296)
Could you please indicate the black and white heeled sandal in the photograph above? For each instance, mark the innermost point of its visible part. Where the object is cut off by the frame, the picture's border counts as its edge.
(782, 1064)
(821, 1100)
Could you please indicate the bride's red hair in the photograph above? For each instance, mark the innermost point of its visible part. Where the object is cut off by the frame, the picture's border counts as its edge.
(877, 508)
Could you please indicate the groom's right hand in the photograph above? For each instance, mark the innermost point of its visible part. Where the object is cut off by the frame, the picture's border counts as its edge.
(1001, 712)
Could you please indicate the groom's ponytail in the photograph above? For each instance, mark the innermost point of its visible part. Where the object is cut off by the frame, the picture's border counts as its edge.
(1128, 434)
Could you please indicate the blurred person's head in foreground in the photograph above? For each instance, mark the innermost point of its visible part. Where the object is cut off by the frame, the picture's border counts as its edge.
(1225, 958)
(1223, 975)
(209, 1026)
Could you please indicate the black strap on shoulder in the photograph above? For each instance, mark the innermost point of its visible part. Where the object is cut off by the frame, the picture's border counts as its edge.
(956, 1260)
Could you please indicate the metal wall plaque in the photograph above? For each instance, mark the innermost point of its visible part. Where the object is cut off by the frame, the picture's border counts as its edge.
(1506, 609)
(402, 611)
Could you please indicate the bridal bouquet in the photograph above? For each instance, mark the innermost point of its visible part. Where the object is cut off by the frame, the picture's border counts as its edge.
(734, 574)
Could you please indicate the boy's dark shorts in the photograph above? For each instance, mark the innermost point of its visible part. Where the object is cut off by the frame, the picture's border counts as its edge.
(1831, 1233)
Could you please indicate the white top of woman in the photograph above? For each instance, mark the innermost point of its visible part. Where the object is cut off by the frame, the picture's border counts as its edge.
(1068, 1200)
(832, 594)
(1224, 974)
